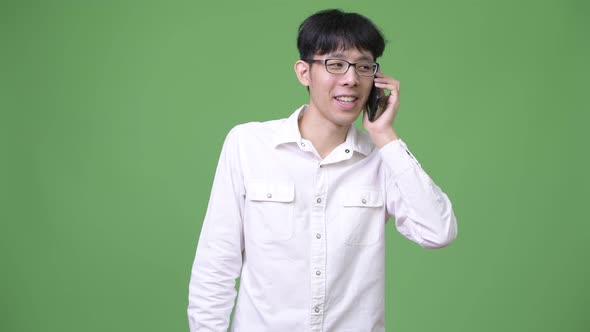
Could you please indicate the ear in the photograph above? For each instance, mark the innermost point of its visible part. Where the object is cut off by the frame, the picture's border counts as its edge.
(302, 71)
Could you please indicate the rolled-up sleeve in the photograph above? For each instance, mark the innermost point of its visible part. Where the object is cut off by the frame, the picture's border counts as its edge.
(422, 212)
(218, 259)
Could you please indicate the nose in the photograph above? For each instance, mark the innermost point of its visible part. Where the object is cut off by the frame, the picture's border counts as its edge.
(350, 78)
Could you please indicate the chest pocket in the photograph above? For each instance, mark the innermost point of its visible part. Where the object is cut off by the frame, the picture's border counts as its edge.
(362, 217)
(269, 210)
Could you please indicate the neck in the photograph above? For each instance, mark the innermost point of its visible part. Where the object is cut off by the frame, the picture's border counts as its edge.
(323, 134)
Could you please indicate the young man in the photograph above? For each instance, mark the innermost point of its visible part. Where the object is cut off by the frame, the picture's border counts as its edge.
(299, 206)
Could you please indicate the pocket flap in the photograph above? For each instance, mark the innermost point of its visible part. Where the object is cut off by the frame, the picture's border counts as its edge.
(270, 191)
(363, 198)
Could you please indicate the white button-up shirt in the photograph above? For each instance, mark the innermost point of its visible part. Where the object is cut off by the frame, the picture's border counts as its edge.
(305, 234)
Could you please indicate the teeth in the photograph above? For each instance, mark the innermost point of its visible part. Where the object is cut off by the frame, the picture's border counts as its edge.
(346, 99)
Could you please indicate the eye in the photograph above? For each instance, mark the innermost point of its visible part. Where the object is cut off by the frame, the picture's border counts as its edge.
(365, 67)
(335, 64)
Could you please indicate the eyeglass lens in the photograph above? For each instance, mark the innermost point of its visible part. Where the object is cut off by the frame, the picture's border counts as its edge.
(336, 66)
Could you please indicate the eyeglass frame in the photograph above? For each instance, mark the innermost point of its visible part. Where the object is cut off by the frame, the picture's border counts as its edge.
(325, 63)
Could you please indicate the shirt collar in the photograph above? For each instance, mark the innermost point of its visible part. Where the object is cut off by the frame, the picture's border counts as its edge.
(289, 128)
(289, 132)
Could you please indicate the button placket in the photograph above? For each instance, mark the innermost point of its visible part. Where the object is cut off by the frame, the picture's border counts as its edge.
(318, 249)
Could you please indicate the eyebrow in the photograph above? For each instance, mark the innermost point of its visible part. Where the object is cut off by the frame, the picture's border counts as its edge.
(364, 57)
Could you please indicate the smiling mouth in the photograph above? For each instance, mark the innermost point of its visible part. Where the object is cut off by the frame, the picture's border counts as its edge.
(346, 99)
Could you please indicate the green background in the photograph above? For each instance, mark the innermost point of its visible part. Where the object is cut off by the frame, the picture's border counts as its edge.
(113, 114)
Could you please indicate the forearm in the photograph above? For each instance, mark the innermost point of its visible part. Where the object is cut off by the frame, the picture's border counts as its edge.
(381, 139)
(212, 287)
(422, 211)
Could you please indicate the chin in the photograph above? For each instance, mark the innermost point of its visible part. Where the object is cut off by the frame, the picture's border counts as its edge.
(346, 119)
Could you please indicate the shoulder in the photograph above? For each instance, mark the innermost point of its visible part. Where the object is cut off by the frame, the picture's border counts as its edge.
(256, 130)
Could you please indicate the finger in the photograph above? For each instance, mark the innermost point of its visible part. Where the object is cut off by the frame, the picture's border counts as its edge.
(392, 88)
(385, 79)
(389, 81)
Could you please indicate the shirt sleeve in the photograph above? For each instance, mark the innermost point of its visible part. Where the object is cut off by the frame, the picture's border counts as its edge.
(218, 259)
(423, 213)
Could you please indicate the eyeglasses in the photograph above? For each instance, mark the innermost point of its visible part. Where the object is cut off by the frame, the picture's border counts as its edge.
(340, 67)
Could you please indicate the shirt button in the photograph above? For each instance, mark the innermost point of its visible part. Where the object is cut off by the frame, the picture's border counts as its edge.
(269, 195)
(319, 200)
(347, 150)
(318, 236)
(364, 201)
(316, 309)
(318, 272)
(302, 144)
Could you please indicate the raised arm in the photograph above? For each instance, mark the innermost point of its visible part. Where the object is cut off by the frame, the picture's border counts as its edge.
(423, 213)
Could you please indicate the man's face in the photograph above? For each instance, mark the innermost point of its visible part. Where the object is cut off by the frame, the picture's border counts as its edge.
(339, 99)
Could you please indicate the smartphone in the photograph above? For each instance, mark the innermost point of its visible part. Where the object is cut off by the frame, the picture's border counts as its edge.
(376, 103)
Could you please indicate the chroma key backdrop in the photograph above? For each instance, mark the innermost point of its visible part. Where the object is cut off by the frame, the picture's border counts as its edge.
(113, 114)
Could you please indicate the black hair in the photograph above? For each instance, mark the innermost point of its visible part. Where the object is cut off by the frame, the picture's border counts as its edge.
(332, 29)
